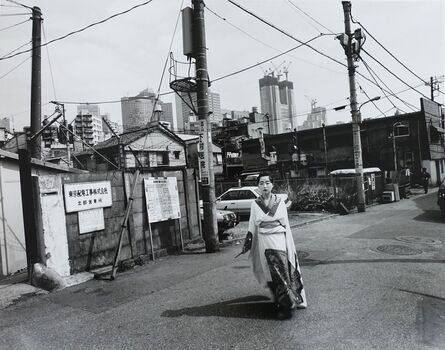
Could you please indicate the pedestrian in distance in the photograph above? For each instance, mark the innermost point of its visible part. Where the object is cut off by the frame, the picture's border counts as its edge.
(425, 177)
(272, 250)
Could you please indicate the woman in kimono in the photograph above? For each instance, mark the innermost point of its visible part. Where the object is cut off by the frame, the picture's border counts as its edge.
(273, 253)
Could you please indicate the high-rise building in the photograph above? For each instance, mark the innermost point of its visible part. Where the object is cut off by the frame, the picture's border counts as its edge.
(183, 112)
(277, 101)
(6, 123)
(316, 118)
(88, 124)
(137, 111)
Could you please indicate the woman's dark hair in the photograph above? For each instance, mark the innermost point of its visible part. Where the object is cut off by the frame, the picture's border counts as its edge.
(262, 175)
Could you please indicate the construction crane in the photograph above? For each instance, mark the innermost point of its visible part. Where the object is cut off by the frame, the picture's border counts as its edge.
(313, 101)
(286, 69)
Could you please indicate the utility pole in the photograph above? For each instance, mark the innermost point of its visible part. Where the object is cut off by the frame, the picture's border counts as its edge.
(36, 96)
(202, 80)
(358, 163)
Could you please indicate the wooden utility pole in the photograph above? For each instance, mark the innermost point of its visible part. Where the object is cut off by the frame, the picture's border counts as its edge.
(202, 80)
(36, 96)
(358, 163)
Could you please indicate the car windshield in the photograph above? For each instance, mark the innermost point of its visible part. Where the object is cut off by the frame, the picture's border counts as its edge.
(442, 185)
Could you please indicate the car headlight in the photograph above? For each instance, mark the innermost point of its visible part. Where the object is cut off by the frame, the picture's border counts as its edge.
(226, 217)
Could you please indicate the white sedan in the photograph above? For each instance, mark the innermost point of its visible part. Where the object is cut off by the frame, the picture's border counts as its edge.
(239, 199)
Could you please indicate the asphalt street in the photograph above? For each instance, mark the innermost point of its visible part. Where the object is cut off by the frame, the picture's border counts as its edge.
(374, 280)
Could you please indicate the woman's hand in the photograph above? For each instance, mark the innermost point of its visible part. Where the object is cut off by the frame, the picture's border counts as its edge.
(247, 243)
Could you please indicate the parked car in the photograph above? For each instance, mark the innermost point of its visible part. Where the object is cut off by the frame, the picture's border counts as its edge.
(441, 198)
(225, 219)
(239, 199)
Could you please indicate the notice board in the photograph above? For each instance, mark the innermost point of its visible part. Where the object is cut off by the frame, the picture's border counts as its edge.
(162, 198)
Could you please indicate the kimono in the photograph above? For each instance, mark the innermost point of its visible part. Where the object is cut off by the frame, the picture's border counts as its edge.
(273, 254)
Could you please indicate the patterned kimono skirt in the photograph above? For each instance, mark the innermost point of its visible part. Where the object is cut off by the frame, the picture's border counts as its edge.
(284, 281)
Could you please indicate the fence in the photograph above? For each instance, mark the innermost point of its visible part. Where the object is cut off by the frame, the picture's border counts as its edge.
(320, 193)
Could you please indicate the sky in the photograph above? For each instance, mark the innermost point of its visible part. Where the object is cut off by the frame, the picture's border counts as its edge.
(127, 54)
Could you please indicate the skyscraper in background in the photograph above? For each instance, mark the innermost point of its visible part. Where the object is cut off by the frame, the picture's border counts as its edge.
(316, 118)
(137, 111)
(183, 112)
(88, 123)
(277, 100)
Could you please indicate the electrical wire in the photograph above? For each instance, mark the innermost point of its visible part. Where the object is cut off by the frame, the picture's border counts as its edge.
(19, 4)
(388, 70)
(27, 43)
(165, 65)
(13, 14)
(264, 43)
(285, 33)
(299, 9)
(13, 69)
(82, 29)
(413, 108)
(49, 63)
(86, 144)
(266, 60)
(373, 102)
(14, 25)
(384, 48)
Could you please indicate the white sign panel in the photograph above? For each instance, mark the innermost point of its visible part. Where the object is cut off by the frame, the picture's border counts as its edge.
(203, 153)
(372, 182)
(87, 195)
(162, 198)
(91, 220)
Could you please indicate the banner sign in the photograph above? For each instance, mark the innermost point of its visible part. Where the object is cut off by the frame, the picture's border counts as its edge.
(87, 195)
(203, 153)
(162, 198)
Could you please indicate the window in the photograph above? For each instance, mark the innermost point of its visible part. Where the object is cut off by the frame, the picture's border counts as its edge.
(230, 196)
(176, 154)
(162, 158)
(400, 130)
(246, 194)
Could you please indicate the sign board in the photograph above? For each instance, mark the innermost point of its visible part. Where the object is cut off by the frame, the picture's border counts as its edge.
(87, 195)
(162, 198)
(372, 178)
(91, 220)
(203, 153)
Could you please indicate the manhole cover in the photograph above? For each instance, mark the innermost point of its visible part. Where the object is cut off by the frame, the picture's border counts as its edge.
(422, 240)
(302, 255)
(398, 250)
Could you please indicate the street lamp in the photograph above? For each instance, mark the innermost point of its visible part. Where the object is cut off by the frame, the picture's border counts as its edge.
(371, 100)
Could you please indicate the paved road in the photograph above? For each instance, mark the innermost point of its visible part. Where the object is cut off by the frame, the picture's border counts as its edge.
(374, 281)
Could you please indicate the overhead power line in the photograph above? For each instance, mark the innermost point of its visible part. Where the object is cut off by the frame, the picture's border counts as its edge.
(266, 60)
(82, 29)
(13, 69)
(384, 48)
(374, 76)
(285, 33)
(312, 18)
(264, 43)
(18, 48)
(19, 4)
(15, 25)
(389, 71)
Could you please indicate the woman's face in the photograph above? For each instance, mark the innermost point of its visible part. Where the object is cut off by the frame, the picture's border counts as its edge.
(265, 185)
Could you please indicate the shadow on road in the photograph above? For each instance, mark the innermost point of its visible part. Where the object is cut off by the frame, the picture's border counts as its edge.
(431, 211)
(255, 307)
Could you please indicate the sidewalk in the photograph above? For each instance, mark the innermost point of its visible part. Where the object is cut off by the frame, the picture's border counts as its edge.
(16, 288)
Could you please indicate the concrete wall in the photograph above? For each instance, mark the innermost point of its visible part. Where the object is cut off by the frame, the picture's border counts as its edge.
(91, 250)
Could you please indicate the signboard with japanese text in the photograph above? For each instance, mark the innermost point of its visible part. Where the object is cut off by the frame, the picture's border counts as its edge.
(91, 220)
(203, 153)
(87, 195)
(162, 198)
